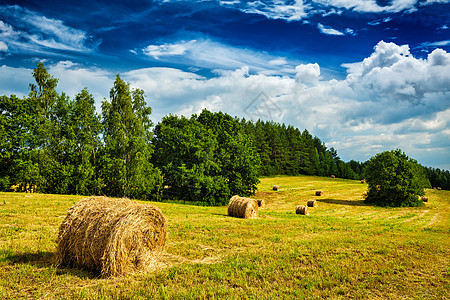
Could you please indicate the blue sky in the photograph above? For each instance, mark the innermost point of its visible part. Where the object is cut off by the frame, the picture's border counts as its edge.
(364, 76)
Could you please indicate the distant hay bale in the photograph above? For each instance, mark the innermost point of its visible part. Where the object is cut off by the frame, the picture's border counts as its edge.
(112, 236)
(333, 176)
(261, 202)
(275, 187)
(363, 181)
(439, 188)
(242, 207)
(319, 193)
(311, 203)
(301, 210)
(425, 199)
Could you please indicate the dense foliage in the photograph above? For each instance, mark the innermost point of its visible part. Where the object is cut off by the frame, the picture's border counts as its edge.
(287, 150)
(205, 158)
(395, 180)
(52, 144)
(56, 145)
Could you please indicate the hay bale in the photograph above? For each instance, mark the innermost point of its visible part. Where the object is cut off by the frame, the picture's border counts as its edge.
(425, 199)
(311, 203)
(439, 188)
(275, 187)
(319, 193)
(112, 236)
(301, 210)
(261, 202)
(363, 181)
(242, 207)
(333, 176)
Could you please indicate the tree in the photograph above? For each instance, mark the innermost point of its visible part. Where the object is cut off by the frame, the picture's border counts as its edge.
(126, 169)
(85, 128)
(206, 158)
(394, 179)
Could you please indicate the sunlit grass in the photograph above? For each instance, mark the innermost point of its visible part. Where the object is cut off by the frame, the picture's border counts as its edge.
(343, 249)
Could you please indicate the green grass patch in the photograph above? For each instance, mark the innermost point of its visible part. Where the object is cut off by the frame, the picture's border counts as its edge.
(343, 249)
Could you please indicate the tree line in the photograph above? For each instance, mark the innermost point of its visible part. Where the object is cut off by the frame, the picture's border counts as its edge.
(54, 144)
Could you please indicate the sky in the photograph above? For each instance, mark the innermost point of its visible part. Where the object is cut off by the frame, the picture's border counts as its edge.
(364, 76)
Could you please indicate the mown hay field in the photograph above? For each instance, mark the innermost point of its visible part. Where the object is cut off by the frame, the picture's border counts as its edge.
(343, 249)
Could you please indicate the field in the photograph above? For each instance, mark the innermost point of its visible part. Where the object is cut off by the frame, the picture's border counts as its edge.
(343, 249)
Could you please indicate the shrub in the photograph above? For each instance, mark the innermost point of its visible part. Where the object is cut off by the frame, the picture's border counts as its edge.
(395, 180)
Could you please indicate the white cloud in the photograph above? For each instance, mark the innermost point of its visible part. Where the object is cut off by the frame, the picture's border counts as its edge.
(429, 2)
(3, 47)
(371, 6)
(29, 32)
(301, 9)
(272, 9)
(328, 30)
(156, 51)
(205, 53)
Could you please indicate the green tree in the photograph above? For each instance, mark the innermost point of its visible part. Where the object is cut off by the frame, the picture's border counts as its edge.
(206, 158)
(126, 169)
(394, 179)
(84, 132)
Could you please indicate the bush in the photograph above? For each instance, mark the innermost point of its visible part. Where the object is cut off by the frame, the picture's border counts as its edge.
(395, 180)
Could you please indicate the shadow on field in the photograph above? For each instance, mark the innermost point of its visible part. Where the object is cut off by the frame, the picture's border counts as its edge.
(344, 202)
(48, 260)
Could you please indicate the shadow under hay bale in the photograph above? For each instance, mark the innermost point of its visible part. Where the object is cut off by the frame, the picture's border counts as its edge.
(311, 203)
(261, 203)
(112, 236)
(242, 207)
(301, 210)
(319, 193)
(275, 187)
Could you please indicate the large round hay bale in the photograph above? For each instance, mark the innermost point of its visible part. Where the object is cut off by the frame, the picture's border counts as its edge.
(311, 203)
(363, 181)
(333, 176)
(319, 193)
(301, 210)
(261, 202)
(242, 207)
(112, 236)
(425, 199)
(275, 187)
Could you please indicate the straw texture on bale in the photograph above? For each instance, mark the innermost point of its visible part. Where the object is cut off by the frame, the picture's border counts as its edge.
(275, 187)
(261, 202)
(112, 236)
(242, 207)
(301, 210)
(319, 193)
(311, 203)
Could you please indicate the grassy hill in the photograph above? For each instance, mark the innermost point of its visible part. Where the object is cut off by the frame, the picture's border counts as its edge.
(343, 249)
